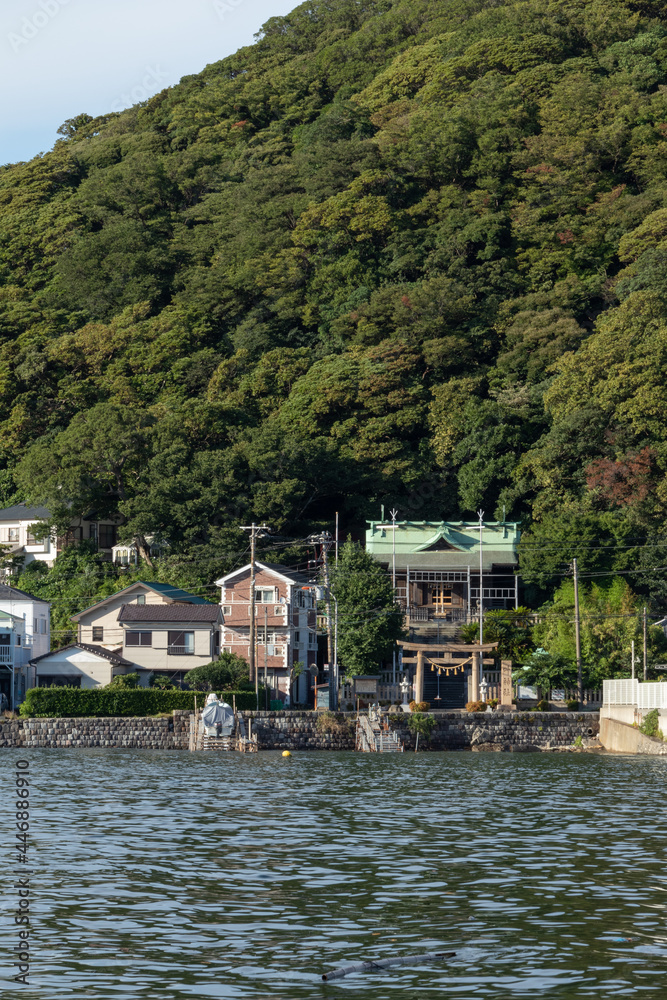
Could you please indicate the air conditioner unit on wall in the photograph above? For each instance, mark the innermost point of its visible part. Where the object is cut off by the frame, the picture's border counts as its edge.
(280, 609)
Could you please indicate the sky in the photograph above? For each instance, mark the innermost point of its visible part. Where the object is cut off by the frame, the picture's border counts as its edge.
(61, 58)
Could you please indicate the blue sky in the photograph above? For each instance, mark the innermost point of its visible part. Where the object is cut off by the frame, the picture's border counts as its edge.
(64, 57)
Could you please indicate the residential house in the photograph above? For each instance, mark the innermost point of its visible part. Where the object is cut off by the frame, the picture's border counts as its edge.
(98, 625)
(80, 665)
(12, 643)
(126, 554)
(20, 537)
(436, 565)
(285, 623)
(154, 626)
(18, 644)
(170, 638)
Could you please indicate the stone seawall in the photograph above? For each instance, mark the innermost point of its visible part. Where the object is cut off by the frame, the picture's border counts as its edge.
(137, 733)
(509, 731)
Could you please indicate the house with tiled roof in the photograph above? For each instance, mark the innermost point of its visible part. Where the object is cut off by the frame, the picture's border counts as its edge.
(21, 537)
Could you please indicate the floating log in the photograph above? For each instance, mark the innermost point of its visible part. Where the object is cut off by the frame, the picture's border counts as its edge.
(384, 963)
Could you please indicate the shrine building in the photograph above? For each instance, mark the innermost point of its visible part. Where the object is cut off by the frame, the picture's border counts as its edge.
(435, 566)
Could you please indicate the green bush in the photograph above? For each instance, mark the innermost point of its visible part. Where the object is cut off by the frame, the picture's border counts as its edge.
(125, 681)
(64, 702)
(421, 724)
(651, 724)
(573, 706)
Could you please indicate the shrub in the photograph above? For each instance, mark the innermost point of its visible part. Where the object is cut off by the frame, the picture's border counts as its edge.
(421, 724)
(126, 681)
(419, 706)
(651, 724)
(493, 702)
(475, 706)
(328, 722)
(543, 706)
(64, 702)
(162, 682)
(228, 671)
(573, 706)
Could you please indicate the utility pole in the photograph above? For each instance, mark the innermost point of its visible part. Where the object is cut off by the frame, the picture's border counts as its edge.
(324, 539)
(481, 573)
(632, 657)
(266, 653)
(253, 673)
(577, 633)
(645, 643)
(393, 513)
(480, 677)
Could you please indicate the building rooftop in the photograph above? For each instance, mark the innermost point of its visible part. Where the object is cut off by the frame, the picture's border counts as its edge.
(169, 613)
(443, 542)
(107, 654)
(22, 512)
(173, 595)
(8, 593)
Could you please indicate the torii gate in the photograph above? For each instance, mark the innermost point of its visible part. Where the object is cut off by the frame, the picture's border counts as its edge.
(475, 656)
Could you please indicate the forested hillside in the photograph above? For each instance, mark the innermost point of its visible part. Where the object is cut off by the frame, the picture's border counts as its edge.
(398, 251)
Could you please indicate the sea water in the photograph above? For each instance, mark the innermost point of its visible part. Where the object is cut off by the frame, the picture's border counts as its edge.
(182, 875)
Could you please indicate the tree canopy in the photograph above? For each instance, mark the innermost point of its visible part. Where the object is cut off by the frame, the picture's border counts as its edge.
(396, 251)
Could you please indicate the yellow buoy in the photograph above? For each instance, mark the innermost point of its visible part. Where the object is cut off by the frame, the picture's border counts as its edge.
(286, 753)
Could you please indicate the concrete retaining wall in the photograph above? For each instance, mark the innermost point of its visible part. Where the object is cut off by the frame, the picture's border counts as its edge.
(510, 731)
(620, 737)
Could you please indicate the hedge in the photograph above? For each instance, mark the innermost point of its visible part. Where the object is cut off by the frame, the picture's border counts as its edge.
(64, 702)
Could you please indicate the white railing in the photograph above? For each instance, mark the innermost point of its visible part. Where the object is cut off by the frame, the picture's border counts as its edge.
(644, 696)
(6, 655)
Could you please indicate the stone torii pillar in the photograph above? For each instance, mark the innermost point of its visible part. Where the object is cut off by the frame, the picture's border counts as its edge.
(419, 679)
(474, 677)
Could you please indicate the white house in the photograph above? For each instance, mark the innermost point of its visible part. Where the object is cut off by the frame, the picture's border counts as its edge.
(79, 665)
(12, 644)
(19, 536)
(32, 638)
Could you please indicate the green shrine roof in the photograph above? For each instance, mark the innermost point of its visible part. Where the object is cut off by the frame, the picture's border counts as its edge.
(443, 543)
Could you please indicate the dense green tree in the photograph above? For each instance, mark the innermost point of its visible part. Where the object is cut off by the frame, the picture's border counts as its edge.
(369, 621)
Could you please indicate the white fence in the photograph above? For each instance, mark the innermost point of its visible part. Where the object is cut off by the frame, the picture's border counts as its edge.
(644, 696)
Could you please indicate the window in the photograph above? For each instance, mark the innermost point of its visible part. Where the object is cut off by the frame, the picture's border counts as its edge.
(297, 638)
(13, 534)
(93, 533)
(98, 633)
(226, 609)
(265, 595)
(107, 536)
(18, 640)
(180, 643)
(312, 640)
(43, 626)
(139, 638)
(4, 639)
(35, 628)
(268, 636)
(34, 539)
(141, 598)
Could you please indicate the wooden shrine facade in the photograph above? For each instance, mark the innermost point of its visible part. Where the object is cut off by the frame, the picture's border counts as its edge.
(447, 675)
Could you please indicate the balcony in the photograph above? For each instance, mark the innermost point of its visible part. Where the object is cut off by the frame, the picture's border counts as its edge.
(180, 651)
(6, 659)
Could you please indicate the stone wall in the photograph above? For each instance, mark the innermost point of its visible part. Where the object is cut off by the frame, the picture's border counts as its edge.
(145, 733)
(512, 731)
